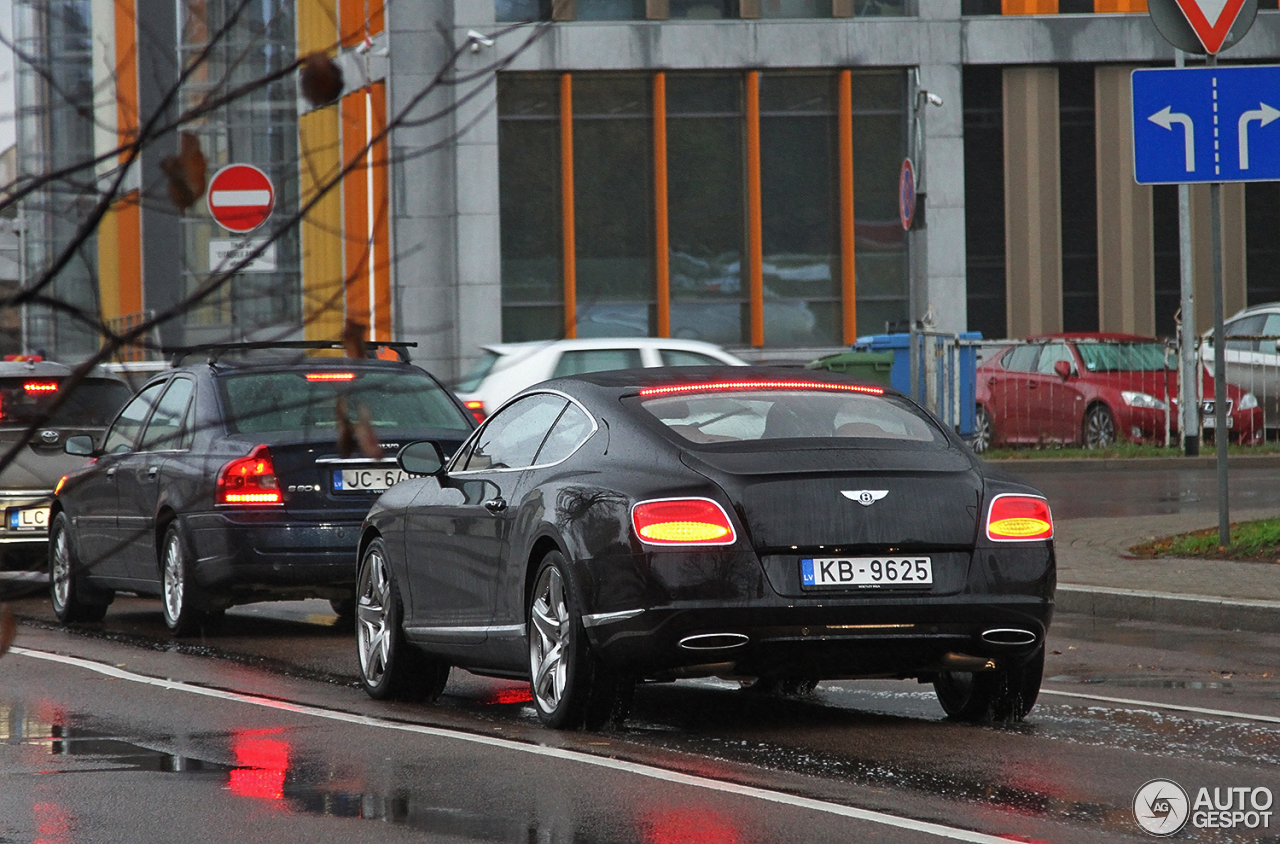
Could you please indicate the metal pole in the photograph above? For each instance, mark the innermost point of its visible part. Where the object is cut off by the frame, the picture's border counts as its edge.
(913, 260)
(1220, 433)
(1189, 389)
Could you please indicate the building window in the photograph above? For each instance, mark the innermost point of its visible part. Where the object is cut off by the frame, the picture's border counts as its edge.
(529, 206)
(795, 8)
(613, 204)
(609, 10)
(701, 205)
(1262, 247)
(702, 9)
(705, 140)
(505, 11)
(259, 128)
(800, 209)
(879, 145)
(1077, 162)
(1166, 258)
(984, 200)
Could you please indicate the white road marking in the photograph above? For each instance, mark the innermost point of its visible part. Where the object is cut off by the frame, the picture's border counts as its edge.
(675, 777)
(1151, 704)
(235, 198)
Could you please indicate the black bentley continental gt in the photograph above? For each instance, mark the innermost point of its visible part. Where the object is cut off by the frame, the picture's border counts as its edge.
(617, 527)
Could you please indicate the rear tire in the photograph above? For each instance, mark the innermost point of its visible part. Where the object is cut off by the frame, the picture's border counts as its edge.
(391, 668)
(1004, 696)
(572, 687)
(73, 599)
(180, 596)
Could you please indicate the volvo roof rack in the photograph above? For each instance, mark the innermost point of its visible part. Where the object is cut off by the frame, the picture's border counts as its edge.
(217, 350)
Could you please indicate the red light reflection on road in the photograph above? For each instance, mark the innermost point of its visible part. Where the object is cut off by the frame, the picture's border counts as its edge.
(263, 763)
(53, 823)
(689, 826)
(514, 694)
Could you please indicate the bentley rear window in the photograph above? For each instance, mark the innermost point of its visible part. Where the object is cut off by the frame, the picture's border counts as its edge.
(304, 400)
(792, 414)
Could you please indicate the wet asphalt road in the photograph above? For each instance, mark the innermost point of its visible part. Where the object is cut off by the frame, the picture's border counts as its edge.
(1144, 491)
(95, 758)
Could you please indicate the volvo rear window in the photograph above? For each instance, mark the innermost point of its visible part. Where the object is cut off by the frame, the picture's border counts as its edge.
(739, 416)
(307, 400)
(91, 404)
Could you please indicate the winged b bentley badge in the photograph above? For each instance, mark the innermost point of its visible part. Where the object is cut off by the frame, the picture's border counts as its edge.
(865, 497)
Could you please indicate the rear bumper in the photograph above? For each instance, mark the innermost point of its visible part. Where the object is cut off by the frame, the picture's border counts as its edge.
(252, 556)
(22, 548)
(851, 640)
(734, 612)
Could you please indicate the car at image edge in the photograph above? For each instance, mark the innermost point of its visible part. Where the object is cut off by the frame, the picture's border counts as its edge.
(616, 527)
(28, 387)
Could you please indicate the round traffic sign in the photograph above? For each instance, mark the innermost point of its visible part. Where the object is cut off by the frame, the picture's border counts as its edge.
(907, 194)
(240, 197)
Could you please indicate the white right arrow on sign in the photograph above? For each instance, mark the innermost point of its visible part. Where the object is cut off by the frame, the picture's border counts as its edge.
(1264, 114)
(1166, 117)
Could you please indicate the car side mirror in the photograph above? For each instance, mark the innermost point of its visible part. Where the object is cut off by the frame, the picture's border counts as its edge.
(1063, 368)
(421, 458)
(80, 445)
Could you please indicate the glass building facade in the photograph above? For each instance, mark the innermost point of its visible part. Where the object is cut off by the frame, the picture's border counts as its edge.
(703, 205)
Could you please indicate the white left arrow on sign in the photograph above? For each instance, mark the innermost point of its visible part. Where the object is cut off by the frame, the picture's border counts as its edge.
(1264, 114)
(1166, 117)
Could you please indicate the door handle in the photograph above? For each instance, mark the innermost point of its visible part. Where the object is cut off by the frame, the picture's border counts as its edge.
(111, 473)
(153, 472)
(495, 505)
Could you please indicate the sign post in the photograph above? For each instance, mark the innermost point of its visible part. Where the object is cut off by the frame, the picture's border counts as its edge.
(1202, 106)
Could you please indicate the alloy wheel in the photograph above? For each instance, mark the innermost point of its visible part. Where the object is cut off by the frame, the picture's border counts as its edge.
(61, 569)
(173, 577)
(373, 633)
(548, 639)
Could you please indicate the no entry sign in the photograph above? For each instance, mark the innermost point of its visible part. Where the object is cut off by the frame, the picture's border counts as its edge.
(240, 197)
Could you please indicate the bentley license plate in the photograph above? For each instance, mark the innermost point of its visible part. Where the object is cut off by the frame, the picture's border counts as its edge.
(865, 572)
(367, 480)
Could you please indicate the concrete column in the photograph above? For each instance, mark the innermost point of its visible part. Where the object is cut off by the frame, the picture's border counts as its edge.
(1033, 207)
(1233, 252)
(942, 242)
(1126, 263)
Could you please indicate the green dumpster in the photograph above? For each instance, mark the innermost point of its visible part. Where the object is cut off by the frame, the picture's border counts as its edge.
(871, 366)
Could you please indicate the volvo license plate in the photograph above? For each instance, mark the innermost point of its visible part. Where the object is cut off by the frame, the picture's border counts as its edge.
(368, 480)
(865, 572)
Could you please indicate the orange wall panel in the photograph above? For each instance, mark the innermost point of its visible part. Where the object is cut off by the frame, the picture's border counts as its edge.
(356, 18)
(1029, 7)
(355, 209)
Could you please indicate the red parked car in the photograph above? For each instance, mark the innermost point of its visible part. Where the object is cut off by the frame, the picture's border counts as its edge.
(1092, 389)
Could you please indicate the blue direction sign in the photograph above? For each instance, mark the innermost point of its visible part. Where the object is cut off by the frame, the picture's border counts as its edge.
(1206, 124)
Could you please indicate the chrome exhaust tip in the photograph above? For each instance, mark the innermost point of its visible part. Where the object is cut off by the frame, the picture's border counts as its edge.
(714, 641)
(1009, 636)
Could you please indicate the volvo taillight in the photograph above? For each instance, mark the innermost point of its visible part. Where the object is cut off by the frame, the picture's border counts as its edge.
(1017, 518)
(249, 480)
(682, 521)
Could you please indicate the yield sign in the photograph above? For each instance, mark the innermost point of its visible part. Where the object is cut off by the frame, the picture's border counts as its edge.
(1211, 20)
(241, 197)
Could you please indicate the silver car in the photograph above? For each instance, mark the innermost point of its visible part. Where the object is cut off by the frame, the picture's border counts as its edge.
(28, 389)
(1253, 356)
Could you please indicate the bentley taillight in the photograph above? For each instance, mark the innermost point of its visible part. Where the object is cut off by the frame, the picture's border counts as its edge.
(1017, 518)
(249, 480)
(682, 521)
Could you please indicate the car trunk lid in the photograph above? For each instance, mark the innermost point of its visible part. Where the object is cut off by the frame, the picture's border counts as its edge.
(850, 498)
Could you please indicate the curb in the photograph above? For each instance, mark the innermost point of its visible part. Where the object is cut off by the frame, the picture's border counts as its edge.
(1169, 608)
